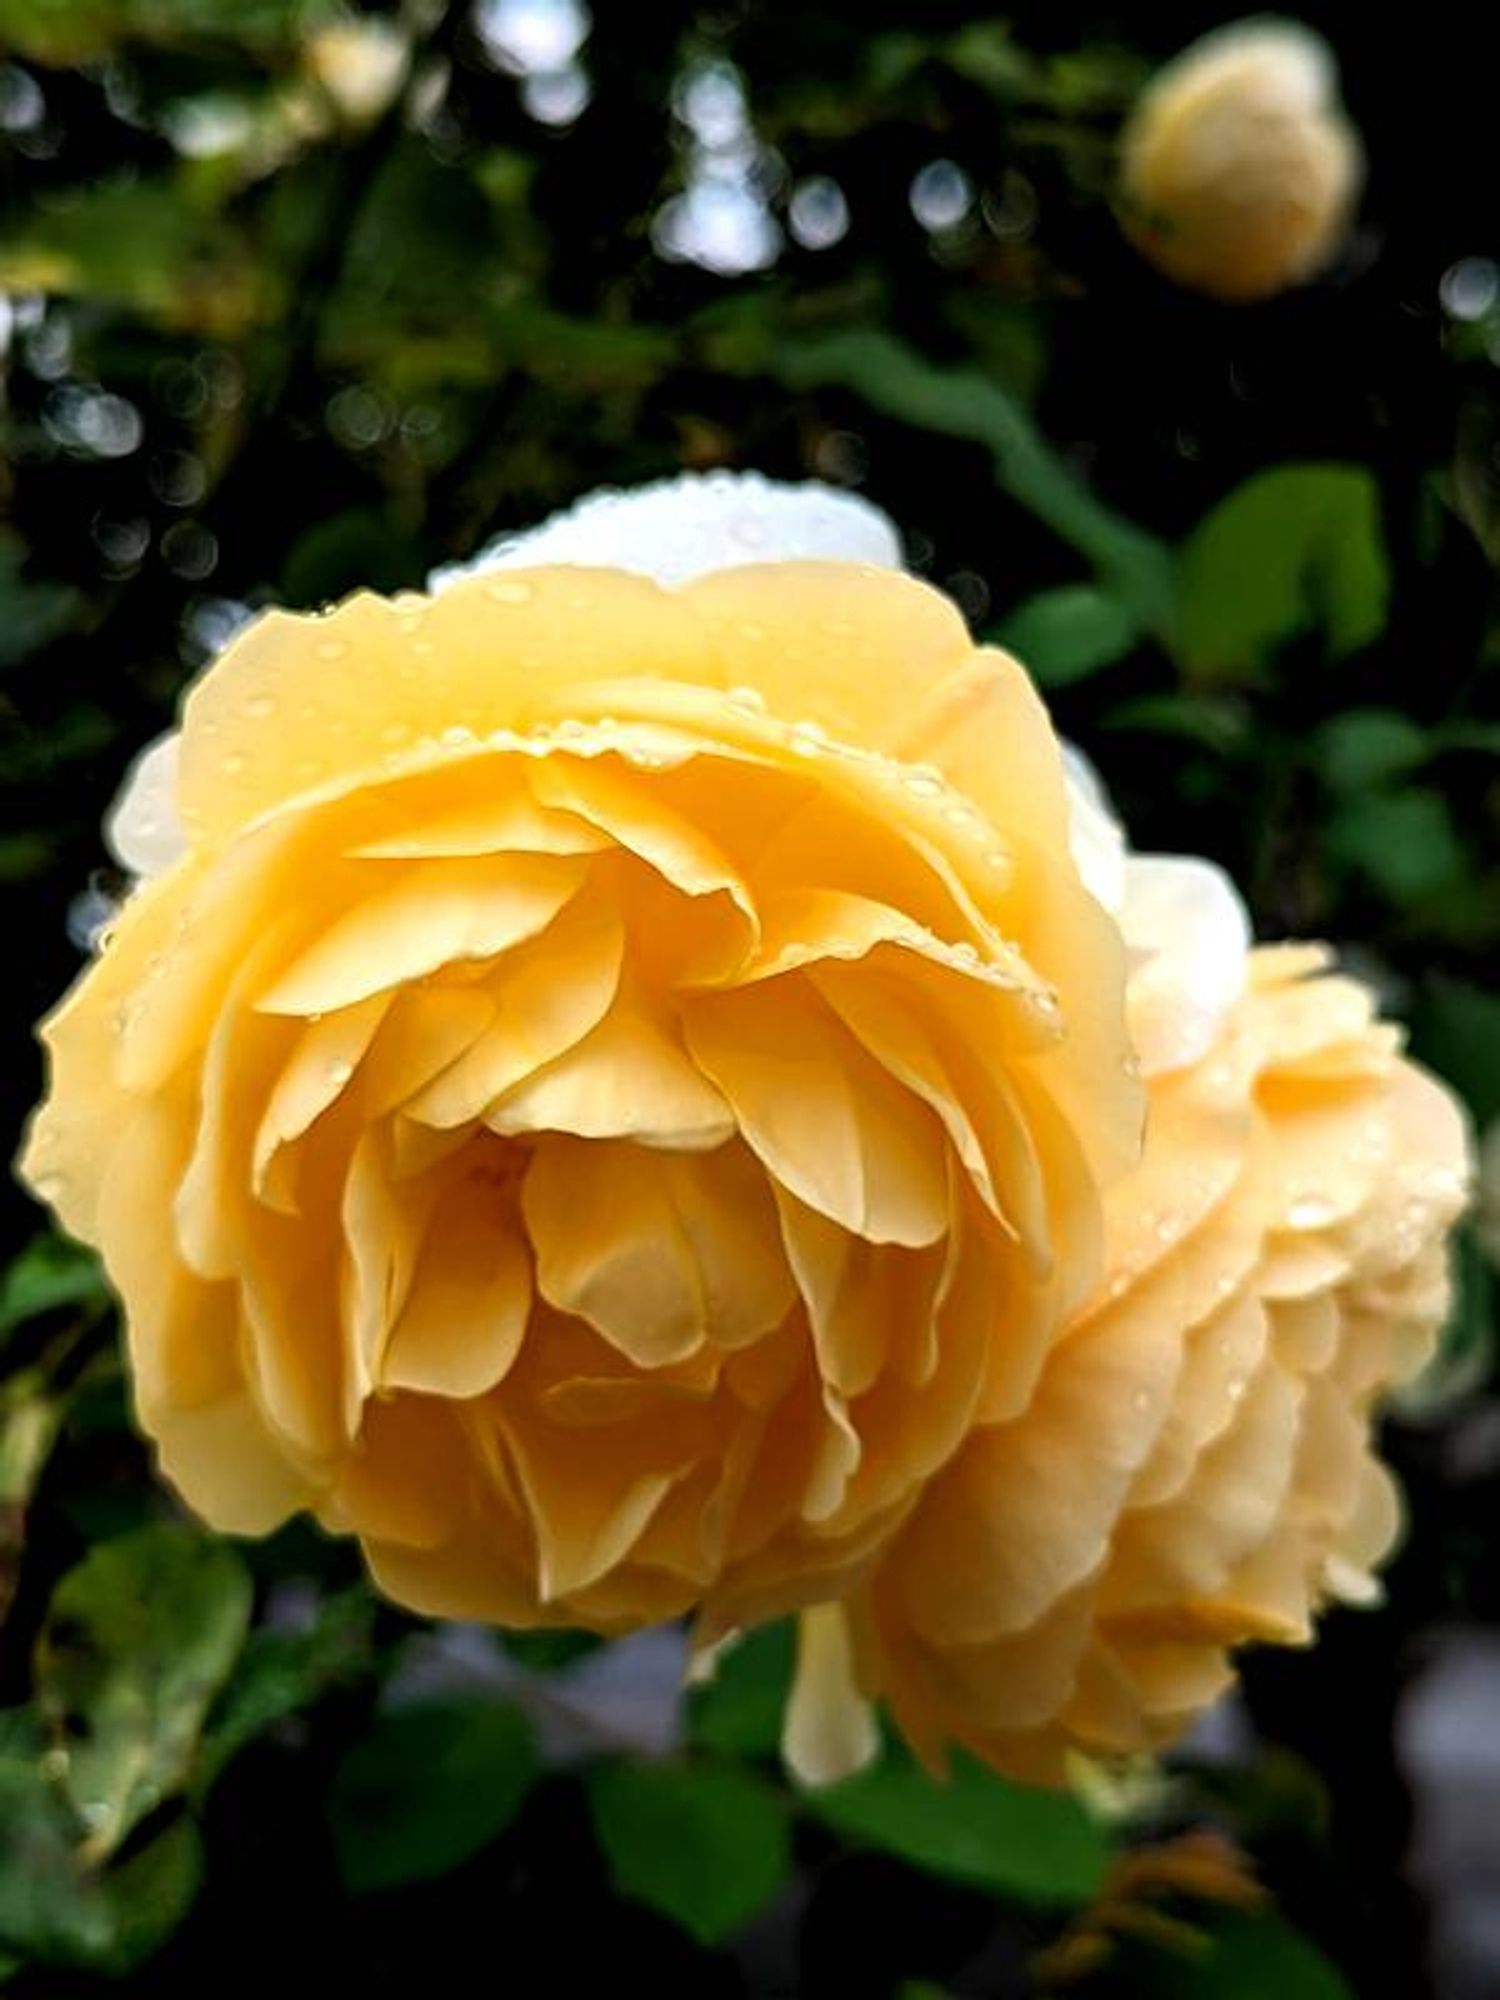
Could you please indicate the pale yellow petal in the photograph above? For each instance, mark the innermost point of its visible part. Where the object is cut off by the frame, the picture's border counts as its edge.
(826, 1120)
(421, 920)
(830, 1731)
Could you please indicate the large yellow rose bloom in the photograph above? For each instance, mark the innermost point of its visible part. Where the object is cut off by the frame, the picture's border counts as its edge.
(1194, 1469)
(610, 1089)
(1239, 171)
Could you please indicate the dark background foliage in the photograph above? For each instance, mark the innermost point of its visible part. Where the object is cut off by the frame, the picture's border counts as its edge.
(262, 344)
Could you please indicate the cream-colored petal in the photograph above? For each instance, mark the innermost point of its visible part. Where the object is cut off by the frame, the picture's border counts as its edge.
(830, 1731)
(694, 525)
(1186, 923)
(144, 829)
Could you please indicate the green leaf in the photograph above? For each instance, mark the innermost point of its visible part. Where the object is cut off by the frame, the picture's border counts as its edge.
(48, 1274)
(1295, 550)
(1065, 635)
(29, 1423)
(1466, 1346)
(1370, 746)
(148, 245)
(1456, 1029)
(739, 1711)
(707, 1846)
(139, 1638)
(80, 31)
(356, 550)
(56, 1908)
(32, 614)
(977, 1829)
(1219, 724)
(1405, 843)
(1247, 1955)
(279, 1674)
(958, 402)
(426, 1788)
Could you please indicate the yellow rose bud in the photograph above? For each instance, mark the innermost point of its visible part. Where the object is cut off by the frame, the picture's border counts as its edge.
(1239, 171)
(612, 1090)
(1193, 1470)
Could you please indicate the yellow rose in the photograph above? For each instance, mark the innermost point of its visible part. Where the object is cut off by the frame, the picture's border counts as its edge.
(1239, 171)
(1193, 1470)
(610, 1088)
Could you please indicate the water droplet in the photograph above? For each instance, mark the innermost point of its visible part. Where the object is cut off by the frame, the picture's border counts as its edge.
(260, 705)
(233, 764)
(1235, 1388)
(457, 734)
(505, 592)
(1310, 1211)
(51, 1188)
(1140, 1401)
(93, 1812)
(572, 731)
(331, 649)
(808, 739)
(339, 1073)
(923, 784)
(747, 700)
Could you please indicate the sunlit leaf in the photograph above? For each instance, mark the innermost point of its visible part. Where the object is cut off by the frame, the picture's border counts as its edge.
(58, 1908)
(139, 1638)
(144, 244)
(78, 31)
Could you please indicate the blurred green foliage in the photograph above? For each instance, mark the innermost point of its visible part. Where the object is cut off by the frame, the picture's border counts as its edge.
(280, 320)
